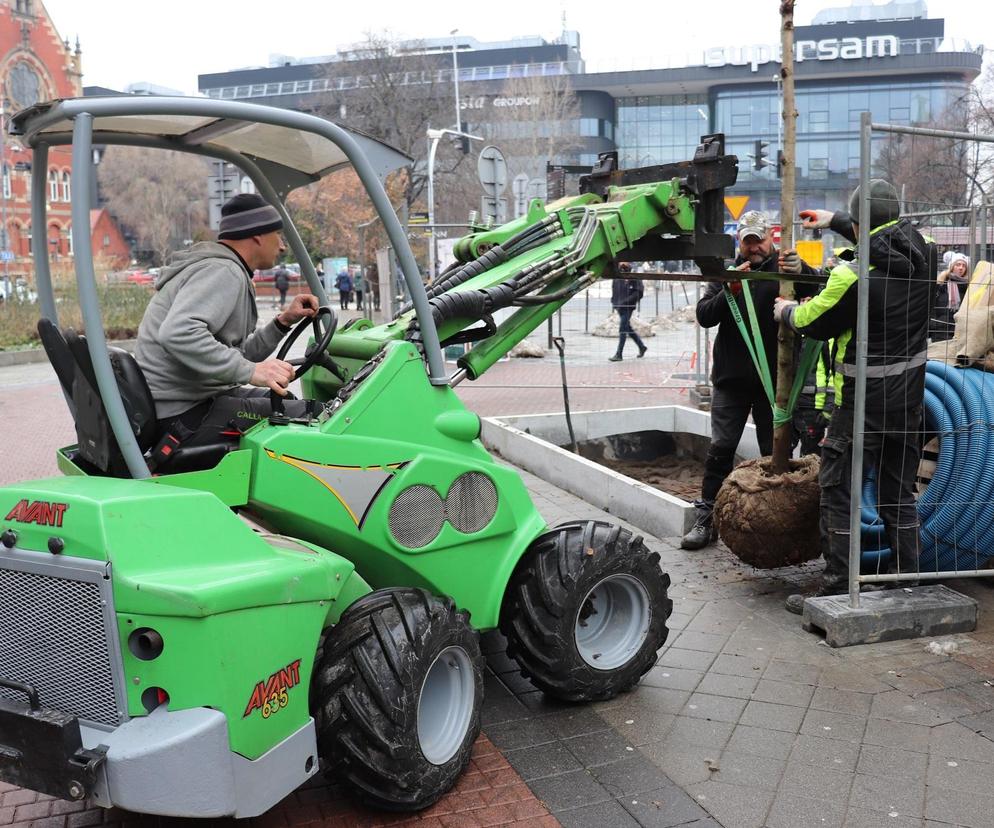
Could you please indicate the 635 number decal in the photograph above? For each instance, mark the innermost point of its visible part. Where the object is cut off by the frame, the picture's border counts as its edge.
(272, 695)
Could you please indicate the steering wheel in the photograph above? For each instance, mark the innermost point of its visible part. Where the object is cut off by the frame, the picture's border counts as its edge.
(316, 353)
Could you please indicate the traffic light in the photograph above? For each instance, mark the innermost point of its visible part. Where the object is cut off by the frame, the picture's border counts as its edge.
(780, 165)
(461, 142)
(759, 156)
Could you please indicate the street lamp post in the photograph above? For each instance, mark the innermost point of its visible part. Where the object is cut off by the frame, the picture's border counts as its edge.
(5, 172)
(455, 79)
(434, 135)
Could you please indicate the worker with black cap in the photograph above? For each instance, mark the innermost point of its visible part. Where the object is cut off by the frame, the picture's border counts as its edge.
(899, 286)
(737, 390)
(198, 344)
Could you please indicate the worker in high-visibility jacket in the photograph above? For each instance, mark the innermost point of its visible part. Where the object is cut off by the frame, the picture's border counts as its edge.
(815, 404)
(899, 288)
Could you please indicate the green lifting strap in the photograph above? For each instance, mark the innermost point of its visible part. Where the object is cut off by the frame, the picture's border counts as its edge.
(754, 344)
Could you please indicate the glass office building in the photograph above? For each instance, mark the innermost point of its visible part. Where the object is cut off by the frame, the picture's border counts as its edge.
(891, 60)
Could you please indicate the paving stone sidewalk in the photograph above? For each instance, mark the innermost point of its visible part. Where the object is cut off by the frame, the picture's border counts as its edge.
(746, 721)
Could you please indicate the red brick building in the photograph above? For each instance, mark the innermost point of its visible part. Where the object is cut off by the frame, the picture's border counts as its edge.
(36, 64)
(109, 245)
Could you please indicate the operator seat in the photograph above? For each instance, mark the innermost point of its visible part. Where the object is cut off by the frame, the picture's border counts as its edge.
(97, 446)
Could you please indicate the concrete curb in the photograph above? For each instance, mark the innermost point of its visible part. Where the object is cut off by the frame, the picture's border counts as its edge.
(32, 355)
(533, 443)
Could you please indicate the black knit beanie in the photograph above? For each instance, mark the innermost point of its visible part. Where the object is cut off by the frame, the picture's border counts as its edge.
(246, 215)
(884, 203)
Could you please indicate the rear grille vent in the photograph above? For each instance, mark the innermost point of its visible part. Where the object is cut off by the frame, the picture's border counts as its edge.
(53, 636)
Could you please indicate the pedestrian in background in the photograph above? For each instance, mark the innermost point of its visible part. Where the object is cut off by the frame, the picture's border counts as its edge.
(358, 286)
(954, 279)
(373, 284)
(626, 293)
(344, 284)
(281, 281)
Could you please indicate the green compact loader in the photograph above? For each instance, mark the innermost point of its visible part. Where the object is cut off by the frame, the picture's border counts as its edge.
(193, 632)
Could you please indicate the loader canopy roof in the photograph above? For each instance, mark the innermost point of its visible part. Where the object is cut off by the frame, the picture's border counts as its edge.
(291, 157)
(279, 149)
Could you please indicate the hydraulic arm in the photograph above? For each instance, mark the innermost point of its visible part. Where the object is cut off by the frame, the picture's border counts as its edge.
(536, 263)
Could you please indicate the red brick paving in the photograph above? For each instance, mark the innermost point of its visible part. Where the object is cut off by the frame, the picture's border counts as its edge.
(489, 793)
(34, 421)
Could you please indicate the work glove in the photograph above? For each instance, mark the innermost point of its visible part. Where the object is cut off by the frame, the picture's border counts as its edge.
(783, 306)
(790, 262)
(816, 219)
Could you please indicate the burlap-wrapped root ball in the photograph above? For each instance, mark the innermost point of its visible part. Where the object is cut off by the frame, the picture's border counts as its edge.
(770, 520)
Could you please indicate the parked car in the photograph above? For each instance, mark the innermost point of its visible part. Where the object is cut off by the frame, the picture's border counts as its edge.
(19, 289)
(139, 277)
(269, 274)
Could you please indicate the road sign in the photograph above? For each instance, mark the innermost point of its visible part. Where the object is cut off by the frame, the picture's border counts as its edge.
(811, 251)
(492, 169)
(519, 186)
(736, 204)
(493, 208)
(220, 187)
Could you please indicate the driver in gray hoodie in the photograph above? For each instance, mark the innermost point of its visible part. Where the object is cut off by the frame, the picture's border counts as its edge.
(198, 344)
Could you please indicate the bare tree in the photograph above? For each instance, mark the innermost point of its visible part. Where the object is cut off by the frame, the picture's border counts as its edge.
(159, 196)
(328, 214)
(533, 120)
(930, 172)
(395, 92)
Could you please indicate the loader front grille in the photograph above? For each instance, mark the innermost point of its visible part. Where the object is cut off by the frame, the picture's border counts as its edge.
(416, 516)
(54, 637)
(471, 502)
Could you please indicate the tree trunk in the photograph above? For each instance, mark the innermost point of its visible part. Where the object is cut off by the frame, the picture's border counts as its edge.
(785, 338)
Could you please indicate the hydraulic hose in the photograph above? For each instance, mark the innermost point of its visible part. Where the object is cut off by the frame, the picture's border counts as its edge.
(957, 523)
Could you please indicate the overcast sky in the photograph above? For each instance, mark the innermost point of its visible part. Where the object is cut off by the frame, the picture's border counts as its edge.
(170, 42)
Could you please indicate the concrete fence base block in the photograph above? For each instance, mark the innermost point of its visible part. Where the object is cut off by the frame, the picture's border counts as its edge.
(889, 615)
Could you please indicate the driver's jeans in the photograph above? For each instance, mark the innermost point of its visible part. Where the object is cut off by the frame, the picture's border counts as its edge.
(230, 414)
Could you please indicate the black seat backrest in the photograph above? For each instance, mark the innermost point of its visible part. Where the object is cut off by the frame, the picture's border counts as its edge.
(58, 354)
(70, 357)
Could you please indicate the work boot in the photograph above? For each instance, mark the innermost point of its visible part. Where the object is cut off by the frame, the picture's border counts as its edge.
(615, 358)
(702, 533)
(795, 603)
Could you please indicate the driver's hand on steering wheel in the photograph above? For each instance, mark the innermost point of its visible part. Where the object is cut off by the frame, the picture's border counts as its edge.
(274, 374)
(303, 304)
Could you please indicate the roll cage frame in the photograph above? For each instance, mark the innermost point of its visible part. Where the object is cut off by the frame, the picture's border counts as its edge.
(37, 128)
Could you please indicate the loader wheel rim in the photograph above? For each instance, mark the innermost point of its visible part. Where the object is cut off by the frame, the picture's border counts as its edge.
(612, 623)
(446, 704)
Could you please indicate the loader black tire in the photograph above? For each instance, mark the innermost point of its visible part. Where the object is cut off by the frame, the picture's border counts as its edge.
(569, 576)
(396, 698)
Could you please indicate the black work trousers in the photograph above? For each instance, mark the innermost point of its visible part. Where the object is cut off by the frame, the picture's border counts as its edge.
(231, 413)
(729, 413)
(626, 330)
(892, 448)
